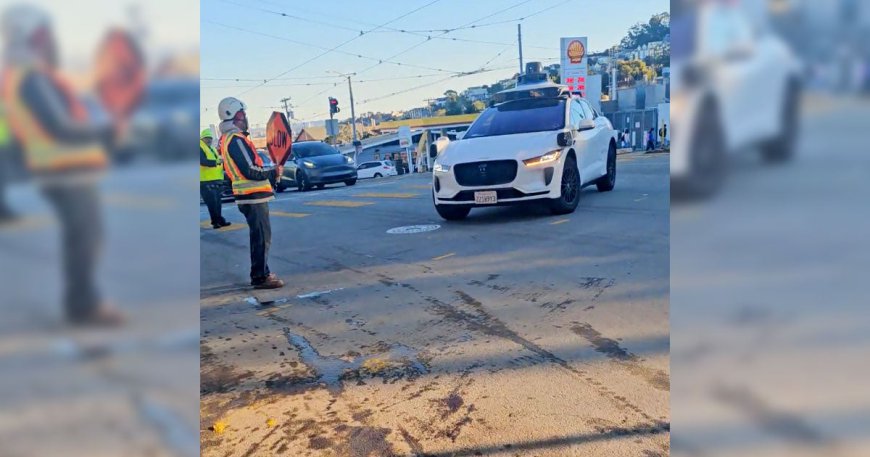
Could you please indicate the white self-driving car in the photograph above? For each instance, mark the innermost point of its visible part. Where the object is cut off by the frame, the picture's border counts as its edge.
(736, 85)
(540, 143)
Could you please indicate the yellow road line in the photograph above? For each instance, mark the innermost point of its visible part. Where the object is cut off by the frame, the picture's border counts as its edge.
(444, 256)
(419, 186)
(339, 203)
(138, 201)
(26, 222)
(560, 221)
(282, 213)
(230, 228)
(385, 195)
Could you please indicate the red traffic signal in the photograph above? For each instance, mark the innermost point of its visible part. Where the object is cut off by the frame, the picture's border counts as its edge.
(333, 105)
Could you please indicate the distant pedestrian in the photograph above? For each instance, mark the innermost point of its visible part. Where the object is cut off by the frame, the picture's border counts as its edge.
(211, 179)
(663, 135)
(624, 138)
(650, 139)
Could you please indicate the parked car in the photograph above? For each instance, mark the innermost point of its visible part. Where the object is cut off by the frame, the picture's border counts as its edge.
(312, 163)
(537, 143)
(376, 169)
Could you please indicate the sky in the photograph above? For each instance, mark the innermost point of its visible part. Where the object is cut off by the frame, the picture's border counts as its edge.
(81, 25)
(252, 41)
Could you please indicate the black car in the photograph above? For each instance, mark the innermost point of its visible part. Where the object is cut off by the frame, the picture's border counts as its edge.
(313, 163)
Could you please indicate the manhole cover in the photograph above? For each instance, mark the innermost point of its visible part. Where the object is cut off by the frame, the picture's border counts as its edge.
(412, 229)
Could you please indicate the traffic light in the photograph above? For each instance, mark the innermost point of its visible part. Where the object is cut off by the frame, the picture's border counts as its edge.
(333, 106)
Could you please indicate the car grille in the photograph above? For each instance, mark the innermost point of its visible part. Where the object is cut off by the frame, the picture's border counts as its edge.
(502, 194)
(489, 173)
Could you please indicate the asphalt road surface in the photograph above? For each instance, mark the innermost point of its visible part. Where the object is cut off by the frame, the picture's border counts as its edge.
(513, 332)
(769, 305)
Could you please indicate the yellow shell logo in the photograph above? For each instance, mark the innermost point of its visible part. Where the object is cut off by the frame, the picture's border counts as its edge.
(576, 51)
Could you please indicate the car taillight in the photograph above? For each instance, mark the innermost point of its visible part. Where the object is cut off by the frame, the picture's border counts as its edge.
(386, 168)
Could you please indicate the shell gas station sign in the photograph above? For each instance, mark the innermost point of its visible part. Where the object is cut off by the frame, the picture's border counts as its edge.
(573, 63)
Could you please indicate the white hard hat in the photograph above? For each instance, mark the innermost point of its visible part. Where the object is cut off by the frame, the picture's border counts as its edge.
(21, 21)
(229, 106)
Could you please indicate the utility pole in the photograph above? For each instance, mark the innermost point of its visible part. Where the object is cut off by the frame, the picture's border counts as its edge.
(353, 121)
(286, 102)
(613, 64)
(520, 42)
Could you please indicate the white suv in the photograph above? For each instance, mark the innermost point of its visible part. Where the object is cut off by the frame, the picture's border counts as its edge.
(539, 144)
(376, 169)
(735, 85)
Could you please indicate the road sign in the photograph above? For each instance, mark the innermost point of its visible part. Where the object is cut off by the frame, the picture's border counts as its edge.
(279, 138)
(120, 74)
(404, 136)
(332, 127)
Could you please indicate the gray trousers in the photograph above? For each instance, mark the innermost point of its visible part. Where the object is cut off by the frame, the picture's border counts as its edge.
(78, 211)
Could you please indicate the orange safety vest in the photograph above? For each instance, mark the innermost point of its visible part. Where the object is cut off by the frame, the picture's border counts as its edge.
(43, 153)
(242, 186)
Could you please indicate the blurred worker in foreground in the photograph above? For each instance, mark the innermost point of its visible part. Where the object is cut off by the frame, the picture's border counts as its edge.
(63, 151)
(252, 187)
(211, 179)
(7, 146)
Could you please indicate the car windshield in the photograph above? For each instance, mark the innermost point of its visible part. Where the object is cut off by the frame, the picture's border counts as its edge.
(313, 150)
(520, 116)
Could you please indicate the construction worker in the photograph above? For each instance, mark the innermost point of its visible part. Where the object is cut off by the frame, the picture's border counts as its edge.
(211, 179)
(7, 146)
(62, 150)
(252, 187)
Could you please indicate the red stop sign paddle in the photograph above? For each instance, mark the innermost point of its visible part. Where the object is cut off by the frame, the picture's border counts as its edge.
(120, 74)
(279, 138)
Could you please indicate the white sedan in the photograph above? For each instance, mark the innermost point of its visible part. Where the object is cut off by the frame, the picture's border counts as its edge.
(541, 144)
(376, 169)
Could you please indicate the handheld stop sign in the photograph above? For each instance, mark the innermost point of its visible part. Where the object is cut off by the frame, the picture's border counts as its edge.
(279, 138)
(120, 74)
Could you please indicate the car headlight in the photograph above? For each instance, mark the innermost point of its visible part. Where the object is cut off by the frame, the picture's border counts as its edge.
(551, 156)
(439, 168)
(349, 160)
(308, 164)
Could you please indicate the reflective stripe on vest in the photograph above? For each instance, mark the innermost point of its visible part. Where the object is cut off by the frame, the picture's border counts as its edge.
(241, 185)
(215, 173)
(42, 152)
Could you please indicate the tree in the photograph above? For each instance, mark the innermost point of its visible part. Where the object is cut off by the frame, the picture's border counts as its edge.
(658, 26)
(635, 70)
(478, 106)
(441, 112)
(451, 94)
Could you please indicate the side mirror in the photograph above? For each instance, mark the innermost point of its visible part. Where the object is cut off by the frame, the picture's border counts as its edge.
(586, 124)
(433, 151)
(565, 139)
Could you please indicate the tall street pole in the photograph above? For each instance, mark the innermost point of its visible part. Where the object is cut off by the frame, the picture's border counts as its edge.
(353, 121)
(520, 42)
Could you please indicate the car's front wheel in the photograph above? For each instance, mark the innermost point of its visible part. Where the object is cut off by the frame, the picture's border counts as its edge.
(570, 189)
(451, 212)
(781, 149)
(378, 175)
(607, 182)
(302, 182)
(350, 182)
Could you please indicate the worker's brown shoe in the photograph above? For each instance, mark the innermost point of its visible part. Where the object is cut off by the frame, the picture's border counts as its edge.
(271, 282)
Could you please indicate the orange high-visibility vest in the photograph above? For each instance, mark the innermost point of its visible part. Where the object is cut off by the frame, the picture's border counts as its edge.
(242, 186)
(42, 152)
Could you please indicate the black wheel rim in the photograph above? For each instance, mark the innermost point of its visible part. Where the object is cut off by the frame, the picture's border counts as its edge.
(569, 183)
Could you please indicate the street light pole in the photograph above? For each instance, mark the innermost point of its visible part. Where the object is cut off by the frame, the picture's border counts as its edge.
(353, 120)
(520, 44)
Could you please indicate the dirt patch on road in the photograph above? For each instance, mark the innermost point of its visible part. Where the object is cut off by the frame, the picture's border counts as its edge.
(611, 348)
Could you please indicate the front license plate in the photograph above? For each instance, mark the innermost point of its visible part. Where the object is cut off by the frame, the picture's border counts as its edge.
(485, 198)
